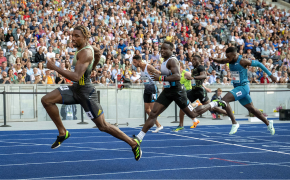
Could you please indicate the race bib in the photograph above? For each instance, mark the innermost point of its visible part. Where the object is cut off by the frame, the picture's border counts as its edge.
(235, 76)
(145, 80)
(63, 88)
(166, 84)
(154, 96)
(193, 82)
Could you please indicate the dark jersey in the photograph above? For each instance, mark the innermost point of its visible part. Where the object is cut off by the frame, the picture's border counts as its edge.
(196, 72)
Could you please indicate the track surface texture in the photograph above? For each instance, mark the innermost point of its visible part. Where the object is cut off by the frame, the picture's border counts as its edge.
(206, 152)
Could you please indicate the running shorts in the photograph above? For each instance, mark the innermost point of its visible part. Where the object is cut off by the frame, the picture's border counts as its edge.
(242, 94)
(176, 94)
(85, 95)
(199, 93)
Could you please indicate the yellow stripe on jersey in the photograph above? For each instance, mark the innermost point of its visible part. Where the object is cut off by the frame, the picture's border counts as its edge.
(82, 81)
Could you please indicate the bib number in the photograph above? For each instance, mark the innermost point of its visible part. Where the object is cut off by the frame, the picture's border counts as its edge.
(166, 84)
(193, 83)
(145, 80)
(235, 76)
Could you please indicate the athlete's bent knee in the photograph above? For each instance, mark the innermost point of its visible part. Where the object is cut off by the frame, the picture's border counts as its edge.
(45, 101)
(103, 127)
(153, 114)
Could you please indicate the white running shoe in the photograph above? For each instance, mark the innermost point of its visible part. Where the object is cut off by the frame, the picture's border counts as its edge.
(158, 129)
(271, 127)
(234, 129)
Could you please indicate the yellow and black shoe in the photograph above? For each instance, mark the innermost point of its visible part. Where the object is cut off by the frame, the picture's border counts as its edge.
(59, 140)
(137, 149)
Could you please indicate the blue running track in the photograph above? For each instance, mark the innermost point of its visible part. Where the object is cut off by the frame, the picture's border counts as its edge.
(207, 152)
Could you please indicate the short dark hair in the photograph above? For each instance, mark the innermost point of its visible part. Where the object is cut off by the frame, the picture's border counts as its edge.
(170, 43)
(137, 57)
(231, 49)
(197, 56)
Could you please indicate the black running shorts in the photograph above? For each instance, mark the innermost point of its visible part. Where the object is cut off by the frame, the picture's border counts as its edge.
(176, 94)
(85, 95)
(195, 94)
(150, 98)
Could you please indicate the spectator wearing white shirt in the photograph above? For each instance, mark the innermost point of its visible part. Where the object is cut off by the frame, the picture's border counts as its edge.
(11, 44)
(135, 77)
(50, 54)
(212, 77)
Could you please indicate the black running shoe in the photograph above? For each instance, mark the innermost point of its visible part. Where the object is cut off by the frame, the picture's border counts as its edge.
(59, 140)
(137, 149)
(221, 103)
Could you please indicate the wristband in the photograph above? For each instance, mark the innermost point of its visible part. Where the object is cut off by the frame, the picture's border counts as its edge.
(161, 78)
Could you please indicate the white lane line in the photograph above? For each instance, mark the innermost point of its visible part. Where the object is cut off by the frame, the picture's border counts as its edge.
(55, 133)
(146, 171)
(209, 140)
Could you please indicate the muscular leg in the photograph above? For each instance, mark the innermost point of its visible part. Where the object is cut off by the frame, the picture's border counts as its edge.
(148, 108)
(219, 110)
(48, 101)
(155, 112)
(256, 112)
(229, 97)
(197, 111)
(113, 130)
(181, 118)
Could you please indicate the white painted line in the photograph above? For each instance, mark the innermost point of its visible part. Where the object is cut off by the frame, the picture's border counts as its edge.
(147, 171)
(280, 152)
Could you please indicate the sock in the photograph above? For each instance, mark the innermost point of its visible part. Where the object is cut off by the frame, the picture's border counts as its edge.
(213, 104)
(141, 135)
(194, 120)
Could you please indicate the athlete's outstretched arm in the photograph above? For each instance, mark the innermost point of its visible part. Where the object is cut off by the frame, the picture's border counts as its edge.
(84, 58)
(202, 75)
(207, 89)
(220, 60)
(254, 63)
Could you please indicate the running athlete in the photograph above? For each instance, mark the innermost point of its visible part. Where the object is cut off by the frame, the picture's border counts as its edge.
(198, 75)
(238, 68)
(81, 92)
(173, 91)
(150, 92)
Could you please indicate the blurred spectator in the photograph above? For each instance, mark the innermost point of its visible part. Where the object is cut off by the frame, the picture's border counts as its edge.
(48, 79)
(12, 57)
(5, 79)
(60, 79)
(25, 76)
(264, 79)
(11, 76)
(38, 79)
(212, 77)
(39, 56)
(20, 79)
(4, 66)
(2, 58)
(135, 78)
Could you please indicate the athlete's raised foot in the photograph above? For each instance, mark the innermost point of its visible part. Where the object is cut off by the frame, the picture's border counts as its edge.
(59, 140)
(221, 103)
(234, 129)
(271, 127)
(178, 128)
(137, 149)
(157, 129)
(195, 124)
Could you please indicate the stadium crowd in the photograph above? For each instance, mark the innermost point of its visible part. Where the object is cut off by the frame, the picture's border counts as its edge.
(37, 30)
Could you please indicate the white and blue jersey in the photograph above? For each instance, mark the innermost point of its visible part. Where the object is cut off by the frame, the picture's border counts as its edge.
(150, 92)
(240, 81)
